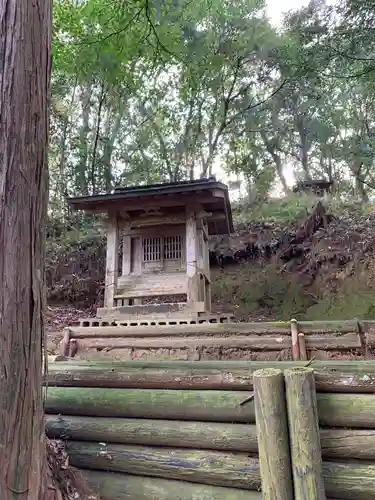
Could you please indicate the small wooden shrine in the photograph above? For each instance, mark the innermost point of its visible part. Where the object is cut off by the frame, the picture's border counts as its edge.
(157, 246)
(318, 187)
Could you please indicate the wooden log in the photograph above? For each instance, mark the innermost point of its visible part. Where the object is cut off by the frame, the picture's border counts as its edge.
(356, 444)
(349, 481)
(198, 466)
(345, 481)
(272, 433)
(117, 486)
(277, 328)
(174, 433)
(346, 410)
(121, 375)
(335, 410)
(335, 443)
(302, 346)
(220, 406)
(253, 342)
(361, 366)
(303, 420)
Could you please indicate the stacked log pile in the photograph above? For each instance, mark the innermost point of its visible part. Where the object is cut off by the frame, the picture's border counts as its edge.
(270, 341)
(186, 430)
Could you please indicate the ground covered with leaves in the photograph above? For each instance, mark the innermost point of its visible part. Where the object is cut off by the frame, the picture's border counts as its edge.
(65, 482)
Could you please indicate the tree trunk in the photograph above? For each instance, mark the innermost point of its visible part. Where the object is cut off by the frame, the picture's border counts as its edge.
(272, 150)
(81, 172)
(108, 148)
(359, 185)
(94, 159)
(25, 45)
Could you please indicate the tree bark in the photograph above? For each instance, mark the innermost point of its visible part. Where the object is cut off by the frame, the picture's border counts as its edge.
(81, 182)
(25, 45)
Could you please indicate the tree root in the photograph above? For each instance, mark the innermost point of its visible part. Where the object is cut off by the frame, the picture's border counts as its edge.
(63, 481)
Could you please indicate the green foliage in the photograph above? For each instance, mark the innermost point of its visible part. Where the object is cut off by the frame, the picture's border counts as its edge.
(148, 91)
(286, 211)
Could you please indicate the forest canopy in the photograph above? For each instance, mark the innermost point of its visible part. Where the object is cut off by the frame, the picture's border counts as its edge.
(160, 90)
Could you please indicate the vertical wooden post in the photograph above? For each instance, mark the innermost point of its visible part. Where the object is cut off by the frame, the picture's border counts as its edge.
(302, 347)
(295, 345)
(191, 259)
(111, 273)
(126, 254)
(272, 431)
(206, 261)
(304, 434)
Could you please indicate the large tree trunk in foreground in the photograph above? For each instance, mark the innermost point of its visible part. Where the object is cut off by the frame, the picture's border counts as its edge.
(25, 46)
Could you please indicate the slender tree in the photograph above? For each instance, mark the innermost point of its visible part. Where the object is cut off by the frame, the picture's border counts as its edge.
(25, 48)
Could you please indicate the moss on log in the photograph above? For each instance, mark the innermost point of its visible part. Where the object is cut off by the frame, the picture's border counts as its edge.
(346, 410)
(116, 486)
(174, 433)
(272, 432)
(304, 434)
(335, 410)
(335, 443)
(351, 481)
(342, 481)
(120, 375)
(198, 466)
(219, 406)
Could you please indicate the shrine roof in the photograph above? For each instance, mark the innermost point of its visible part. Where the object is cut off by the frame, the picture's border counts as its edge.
(210, 193)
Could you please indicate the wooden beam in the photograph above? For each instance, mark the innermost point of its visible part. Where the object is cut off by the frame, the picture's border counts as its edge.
(191, 259)
(117, 486)
(209, 329)
(335, 410)
(339, 444)
(342, 480)
(126, 255)
(135, 374)
(256, 342)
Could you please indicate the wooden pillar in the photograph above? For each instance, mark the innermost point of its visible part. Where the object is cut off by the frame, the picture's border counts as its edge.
(111, 273)
(191, 259)
(206, 259)
(126, 254)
